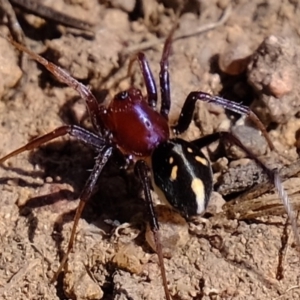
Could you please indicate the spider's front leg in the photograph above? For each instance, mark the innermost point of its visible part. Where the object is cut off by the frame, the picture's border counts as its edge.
(148, 78)
(164, 77)
(63, 76)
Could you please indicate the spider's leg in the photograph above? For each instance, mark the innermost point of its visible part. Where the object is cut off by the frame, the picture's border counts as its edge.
(73, 130)
(164, 78)
(141, 170)
(63, 76)
(272, 174)
(85, 195)
(188, 108)
(225, 135)
(148, 78)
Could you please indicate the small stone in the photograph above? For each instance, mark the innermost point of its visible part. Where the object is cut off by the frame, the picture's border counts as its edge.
(173, 230)
(77, 282)
(250, 138)
(125, 5)
(234, 60)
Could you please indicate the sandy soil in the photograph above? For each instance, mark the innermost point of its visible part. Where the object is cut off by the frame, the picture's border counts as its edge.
(252, 58)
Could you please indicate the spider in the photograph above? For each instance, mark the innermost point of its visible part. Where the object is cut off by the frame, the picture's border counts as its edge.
(132, 126)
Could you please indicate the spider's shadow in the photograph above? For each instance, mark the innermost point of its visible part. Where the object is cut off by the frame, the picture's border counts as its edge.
(235, 87)
(70, 162)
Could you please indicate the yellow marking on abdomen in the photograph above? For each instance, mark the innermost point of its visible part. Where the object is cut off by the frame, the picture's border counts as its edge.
(198, 189)
(201, 160)
(174, 173)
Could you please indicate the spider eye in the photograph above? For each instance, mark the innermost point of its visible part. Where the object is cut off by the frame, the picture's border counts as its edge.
(122, 95)
(182, 175)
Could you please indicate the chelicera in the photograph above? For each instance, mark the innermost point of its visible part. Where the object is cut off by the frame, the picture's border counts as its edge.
(131, 126)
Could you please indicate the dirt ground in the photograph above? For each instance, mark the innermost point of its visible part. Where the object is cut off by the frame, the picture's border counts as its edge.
(240, 251)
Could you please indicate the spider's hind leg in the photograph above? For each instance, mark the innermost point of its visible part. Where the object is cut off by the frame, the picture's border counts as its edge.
(272, 174)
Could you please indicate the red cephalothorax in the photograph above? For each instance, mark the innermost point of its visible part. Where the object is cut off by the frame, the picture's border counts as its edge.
(135, 127)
